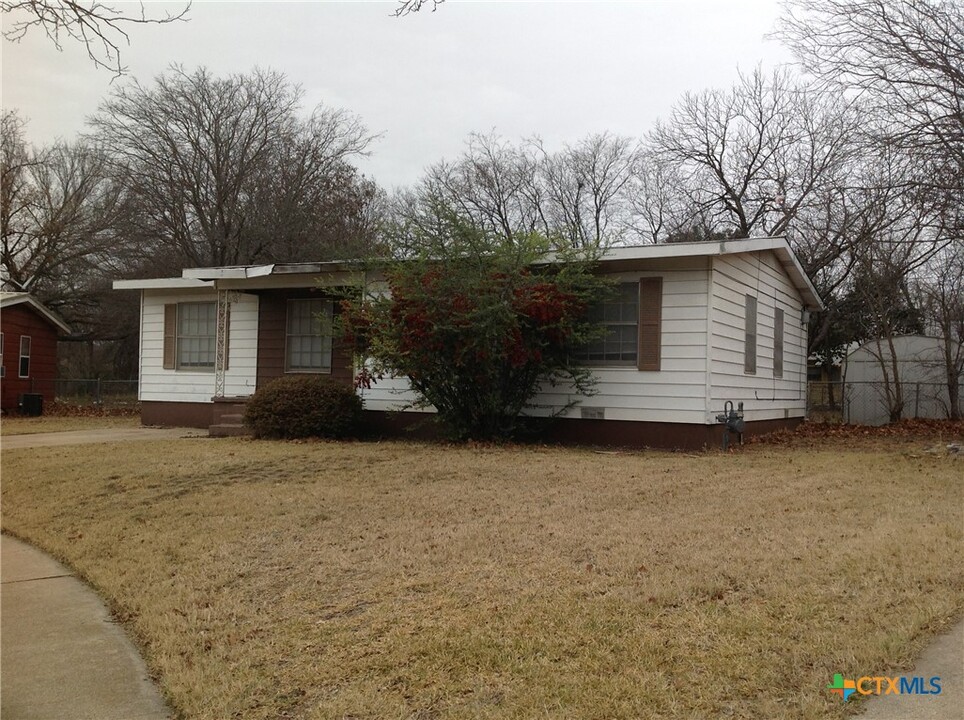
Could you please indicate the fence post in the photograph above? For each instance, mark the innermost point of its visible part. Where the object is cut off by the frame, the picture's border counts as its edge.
(917, 401)
(97, 393)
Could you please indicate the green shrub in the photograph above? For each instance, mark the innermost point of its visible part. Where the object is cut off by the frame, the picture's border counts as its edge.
(298, 406)
(478, 324)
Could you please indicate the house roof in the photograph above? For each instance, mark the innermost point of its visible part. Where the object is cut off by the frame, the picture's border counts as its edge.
(10, 299)
(175, 283)
(779, 245)
(205, 277)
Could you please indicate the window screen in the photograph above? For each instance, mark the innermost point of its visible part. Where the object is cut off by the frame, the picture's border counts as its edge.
(308, 341)
(196, 334)
(619, 314)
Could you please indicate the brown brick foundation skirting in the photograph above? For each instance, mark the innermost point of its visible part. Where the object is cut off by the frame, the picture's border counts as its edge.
(419, 426)
(177, 414)
(615, 433)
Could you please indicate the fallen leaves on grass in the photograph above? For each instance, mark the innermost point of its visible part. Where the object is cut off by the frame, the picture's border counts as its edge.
(816, 433)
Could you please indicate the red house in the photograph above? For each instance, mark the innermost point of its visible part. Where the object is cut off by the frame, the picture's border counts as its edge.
(28, 343)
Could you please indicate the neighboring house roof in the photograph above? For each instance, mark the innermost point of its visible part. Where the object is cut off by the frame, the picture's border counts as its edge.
(204, 277)
(906, 346)
(11, 299)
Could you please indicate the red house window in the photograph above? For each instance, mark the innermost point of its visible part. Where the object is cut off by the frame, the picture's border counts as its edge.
(24, 356)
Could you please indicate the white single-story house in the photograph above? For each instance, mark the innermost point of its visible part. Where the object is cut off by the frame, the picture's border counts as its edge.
(921, 371)
(693, 326)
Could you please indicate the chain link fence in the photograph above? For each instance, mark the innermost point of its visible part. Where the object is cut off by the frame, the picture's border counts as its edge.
(94, 391)
(870, 403)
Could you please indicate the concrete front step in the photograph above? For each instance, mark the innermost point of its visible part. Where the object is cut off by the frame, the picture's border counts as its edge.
(232, 419)
(228, 430)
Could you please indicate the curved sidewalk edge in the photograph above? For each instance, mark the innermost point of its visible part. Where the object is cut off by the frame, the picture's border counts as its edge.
(63, 656)
(943, 658)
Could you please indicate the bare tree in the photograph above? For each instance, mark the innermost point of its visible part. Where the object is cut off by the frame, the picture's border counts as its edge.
(587, 189)
(225, 171)
(579, 196)
(99, 27)
(905, 58)
(941, 292)
(493, 183)
(18, 196)
(63, 234)
(59, 211)
(661, 207)
(753, 157)
(406, 7)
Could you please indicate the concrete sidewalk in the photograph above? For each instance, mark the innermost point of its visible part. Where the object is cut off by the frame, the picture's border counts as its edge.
(83, 437)
(62, 655)
(943, 658)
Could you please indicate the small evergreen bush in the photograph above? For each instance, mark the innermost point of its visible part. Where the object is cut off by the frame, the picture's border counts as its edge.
(298, 406)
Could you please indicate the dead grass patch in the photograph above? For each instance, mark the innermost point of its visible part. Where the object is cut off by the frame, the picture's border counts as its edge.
(394, 580)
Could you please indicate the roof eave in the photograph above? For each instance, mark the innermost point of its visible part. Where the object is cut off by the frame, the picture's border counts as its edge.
(161, 284)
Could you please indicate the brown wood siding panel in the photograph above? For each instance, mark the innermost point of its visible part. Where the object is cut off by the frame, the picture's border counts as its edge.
(15, 322)
(650, 322)
(272, 324)
(177, 414)
(271, 336)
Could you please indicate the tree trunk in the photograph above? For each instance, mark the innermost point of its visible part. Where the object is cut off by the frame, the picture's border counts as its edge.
(953, 372)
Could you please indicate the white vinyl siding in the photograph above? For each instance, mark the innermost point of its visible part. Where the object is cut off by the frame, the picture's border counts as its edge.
(702, 350)
(196, 385)
(765, 394)
(677, 393)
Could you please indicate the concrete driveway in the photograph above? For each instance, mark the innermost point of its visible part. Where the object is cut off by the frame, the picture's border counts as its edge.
(106, 435)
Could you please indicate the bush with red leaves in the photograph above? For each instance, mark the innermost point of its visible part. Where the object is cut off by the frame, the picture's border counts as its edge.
(478, 325)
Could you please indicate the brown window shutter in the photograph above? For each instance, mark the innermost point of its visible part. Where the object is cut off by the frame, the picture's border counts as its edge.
(650, 322)
(170, 336)
(749, 352)
(778, 343)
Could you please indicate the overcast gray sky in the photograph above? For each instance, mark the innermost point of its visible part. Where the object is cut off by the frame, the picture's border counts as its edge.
(559, 70)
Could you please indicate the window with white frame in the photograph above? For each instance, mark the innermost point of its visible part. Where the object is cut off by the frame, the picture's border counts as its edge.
(308, 335)
(196, 335)
(24, 356)
(619, 315)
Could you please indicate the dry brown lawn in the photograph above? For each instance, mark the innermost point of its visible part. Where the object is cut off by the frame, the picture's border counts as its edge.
(53, 423)
(400, 580)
